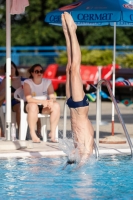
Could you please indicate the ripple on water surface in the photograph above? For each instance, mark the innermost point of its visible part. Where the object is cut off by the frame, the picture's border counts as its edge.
(43, 178)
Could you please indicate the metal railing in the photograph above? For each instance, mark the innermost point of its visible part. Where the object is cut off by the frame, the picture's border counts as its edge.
(96, 145)
(20, 54)
(118, 113)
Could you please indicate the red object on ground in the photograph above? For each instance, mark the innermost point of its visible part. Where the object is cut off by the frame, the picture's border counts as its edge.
(107, 71)
(50, 73)
(58, 80)
(61, 79)
(119, 83)
(116, 66)
(112, 128)
(89, 73)
(123, 83)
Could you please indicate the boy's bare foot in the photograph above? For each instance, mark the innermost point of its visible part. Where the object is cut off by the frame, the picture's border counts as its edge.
(64, 26)
(69, 21)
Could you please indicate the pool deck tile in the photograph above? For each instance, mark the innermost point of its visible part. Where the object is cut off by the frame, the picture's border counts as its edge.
(18, 148)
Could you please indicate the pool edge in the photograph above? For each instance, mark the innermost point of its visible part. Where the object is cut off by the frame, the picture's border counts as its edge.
(59, 153)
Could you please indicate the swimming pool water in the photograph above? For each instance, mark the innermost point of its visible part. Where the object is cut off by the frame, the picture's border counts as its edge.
(108, 177)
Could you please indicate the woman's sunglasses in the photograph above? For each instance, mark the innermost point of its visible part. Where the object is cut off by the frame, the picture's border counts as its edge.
(38, 71)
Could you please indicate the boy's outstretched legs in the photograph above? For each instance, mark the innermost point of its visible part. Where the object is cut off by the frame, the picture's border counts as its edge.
(81, 126)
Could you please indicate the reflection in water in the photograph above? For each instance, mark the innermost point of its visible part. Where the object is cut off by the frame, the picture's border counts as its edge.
(85, 181)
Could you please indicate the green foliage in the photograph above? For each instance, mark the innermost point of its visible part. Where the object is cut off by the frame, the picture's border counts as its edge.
(98, 58)
(94, 57)
(62, 59)
(126, 61)
(30, 29)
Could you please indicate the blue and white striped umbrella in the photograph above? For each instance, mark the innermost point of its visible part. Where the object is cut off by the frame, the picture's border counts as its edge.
(95, 11)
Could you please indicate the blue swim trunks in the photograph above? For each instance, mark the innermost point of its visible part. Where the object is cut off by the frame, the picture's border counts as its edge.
(73, 104)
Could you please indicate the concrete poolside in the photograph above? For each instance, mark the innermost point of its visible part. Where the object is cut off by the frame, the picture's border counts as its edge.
(29, 149)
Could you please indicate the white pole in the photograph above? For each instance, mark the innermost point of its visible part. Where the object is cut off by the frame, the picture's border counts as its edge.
(100, 103)
(65, 119)
(8, 70)
(97, 117)
(113, 83)
(99, 78)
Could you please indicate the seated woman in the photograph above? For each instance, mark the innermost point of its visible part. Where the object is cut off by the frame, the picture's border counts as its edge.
(76, 98)
(15, 84)
(37, 91)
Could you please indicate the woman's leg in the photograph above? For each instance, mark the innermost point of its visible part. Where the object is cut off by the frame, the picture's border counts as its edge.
(32, 111)
(54, 119)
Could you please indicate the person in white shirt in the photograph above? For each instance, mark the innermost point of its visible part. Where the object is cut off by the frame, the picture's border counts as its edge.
(40, 98)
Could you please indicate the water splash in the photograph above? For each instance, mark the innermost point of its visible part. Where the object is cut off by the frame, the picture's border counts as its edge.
(73, 151)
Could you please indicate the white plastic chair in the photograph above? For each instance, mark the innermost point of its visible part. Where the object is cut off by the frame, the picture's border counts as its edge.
(19, 95)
